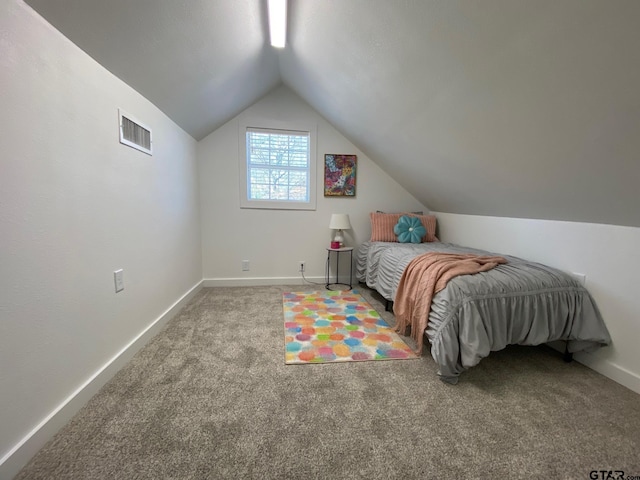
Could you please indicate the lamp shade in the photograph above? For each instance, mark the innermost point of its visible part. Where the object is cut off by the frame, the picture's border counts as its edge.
(340, 221)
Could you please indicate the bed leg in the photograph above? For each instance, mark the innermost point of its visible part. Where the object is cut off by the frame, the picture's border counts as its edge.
(568, 356)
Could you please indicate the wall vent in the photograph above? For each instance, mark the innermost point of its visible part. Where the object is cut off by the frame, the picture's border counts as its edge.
(134, 134)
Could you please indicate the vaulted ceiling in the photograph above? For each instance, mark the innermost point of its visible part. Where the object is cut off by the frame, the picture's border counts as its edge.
(520, 108)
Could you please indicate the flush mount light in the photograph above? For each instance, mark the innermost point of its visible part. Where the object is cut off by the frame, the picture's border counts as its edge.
(278, 22)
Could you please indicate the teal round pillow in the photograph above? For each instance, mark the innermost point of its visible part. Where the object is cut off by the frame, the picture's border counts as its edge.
(409, 229)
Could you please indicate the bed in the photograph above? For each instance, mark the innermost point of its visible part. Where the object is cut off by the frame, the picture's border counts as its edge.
(520, 302)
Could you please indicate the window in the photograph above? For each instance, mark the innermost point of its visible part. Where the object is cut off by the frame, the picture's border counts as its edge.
(277, 168)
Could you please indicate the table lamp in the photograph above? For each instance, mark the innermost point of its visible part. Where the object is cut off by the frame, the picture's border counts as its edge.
(339, 222)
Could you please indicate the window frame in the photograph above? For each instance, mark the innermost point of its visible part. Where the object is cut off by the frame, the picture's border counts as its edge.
(285, 127)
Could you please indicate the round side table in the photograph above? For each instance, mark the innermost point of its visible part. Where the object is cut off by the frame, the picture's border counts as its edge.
(337, 252)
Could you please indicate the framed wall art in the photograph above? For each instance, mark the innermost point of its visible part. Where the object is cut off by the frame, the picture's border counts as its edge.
(340, 175)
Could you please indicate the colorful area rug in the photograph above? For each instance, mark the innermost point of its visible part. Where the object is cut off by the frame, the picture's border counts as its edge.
(337, 326)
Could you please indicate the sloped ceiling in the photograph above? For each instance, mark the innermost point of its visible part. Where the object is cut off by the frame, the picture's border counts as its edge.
(200, 61)
(513, 108)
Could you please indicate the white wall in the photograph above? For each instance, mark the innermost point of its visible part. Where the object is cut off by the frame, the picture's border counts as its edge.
(75, 205)
(275, 240)
(606, 254)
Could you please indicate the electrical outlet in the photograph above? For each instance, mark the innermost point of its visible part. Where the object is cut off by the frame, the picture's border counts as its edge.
(118, 278)
(245, 265)
(301, 265)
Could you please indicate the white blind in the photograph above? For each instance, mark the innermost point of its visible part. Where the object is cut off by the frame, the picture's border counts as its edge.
(277, 165)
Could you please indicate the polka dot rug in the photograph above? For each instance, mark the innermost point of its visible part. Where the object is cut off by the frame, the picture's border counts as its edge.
(337, 326)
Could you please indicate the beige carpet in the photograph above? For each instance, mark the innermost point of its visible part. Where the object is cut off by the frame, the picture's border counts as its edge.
(211, 397)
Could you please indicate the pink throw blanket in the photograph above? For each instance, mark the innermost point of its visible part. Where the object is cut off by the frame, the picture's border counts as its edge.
(425, 276)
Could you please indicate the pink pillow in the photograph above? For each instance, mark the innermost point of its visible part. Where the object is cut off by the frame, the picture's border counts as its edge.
(382, 226)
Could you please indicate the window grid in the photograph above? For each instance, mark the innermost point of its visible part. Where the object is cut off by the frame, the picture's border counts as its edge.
(278, 165)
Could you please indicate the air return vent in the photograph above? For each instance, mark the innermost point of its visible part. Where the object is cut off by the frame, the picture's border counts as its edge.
(134, 134)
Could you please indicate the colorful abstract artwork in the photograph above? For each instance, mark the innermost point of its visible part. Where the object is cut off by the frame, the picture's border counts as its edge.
(340, 175)
(337, 326)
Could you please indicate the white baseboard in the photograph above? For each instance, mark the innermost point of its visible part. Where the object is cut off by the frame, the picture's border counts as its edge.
(259, 281)
(610, 370)
(24, 450)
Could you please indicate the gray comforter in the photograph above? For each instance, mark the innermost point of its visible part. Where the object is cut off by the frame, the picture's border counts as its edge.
(521, 302)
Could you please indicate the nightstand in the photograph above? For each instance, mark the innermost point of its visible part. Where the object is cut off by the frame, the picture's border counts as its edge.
(337, 252)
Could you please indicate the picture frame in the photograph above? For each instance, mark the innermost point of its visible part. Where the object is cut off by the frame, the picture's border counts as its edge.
(340, 175)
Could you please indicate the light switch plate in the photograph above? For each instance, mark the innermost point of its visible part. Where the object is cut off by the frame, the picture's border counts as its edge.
(118, 278)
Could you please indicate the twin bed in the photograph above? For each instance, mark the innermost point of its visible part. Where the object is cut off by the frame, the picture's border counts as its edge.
(519, 302)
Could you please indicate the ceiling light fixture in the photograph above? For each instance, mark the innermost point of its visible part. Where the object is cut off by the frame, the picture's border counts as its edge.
(278, 22)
